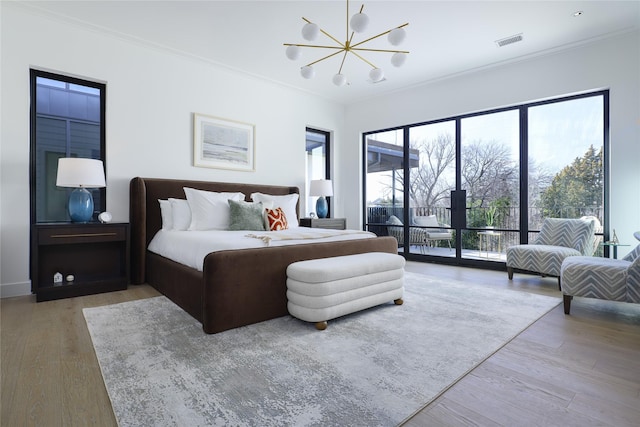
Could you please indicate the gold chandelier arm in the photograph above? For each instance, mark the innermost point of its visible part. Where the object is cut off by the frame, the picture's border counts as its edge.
(379, 50)
(379, 35)
(342, 63)
(326, 57)
(325, 33)
(314, 45)
(360, 57)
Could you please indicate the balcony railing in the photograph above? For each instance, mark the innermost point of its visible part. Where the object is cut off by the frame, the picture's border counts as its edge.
(507, 221)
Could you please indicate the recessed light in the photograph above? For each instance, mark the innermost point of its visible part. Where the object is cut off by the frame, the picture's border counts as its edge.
(577, 13)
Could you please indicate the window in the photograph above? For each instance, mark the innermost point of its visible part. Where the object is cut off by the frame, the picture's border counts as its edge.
(489, 178)
(67, 120)
(318, 161)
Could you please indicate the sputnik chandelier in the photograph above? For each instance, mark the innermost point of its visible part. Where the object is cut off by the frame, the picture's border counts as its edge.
(358, 22)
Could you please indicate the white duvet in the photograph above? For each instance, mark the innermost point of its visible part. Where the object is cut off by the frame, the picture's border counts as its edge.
(191, 247)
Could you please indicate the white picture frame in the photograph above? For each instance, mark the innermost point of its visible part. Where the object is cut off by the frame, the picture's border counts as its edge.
(223, 144)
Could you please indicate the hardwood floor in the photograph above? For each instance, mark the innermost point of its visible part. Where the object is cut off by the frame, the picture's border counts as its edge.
(576, 370)
(582, 369)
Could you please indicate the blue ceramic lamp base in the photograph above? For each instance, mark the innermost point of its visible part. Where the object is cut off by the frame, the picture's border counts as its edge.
(80, 205)
(322, 208)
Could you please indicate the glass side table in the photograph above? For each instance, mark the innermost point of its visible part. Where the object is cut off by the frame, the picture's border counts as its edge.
(614, 246)
(486, 236)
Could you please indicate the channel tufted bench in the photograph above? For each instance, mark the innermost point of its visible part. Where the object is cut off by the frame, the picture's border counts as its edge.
(322, 289)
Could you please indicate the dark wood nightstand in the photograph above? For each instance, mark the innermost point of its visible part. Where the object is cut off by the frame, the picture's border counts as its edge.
(334, 223)
(97, 255)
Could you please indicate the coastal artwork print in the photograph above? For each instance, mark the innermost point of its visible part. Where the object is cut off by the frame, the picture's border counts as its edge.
(222, 143)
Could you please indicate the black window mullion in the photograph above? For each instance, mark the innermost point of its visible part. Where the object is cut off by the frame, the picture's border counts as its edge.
(524, 175)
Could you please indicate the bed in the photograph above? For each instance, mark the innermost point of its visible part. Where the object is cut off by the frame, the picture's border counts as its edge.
(235, 287)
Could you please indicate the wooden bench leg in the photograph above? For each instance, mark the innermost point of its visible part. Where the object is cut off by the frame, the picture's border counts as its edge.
(321, 326)
(398, 301)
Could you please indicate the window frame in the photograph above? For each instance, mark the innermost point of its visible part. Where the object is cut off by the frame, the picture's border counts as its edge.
(34, 74)
(524, 153)
(327, 157)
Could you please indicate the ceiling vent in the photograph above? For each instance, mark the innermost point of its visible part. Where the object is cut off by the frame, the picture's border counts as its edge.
(509, 40)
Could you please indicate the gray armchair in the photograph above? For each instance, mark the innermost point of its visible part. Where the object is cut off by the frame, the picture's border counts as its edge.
(559, 239)
(602, 278)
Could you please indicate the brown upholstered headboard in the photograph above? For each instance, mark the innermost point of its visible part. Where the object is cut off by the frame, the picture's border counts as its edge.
(144, 209)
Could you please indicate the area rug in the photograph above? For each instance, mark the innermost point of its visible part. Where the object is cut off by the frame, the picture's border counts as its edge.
(373, 368)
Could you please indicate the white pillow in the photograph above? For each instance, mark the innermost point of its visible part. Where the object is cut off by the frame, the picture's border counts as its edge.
(287, 203)
(165, 213)
(394, 220)
(210, 210)
(426, 221)
(180, 214)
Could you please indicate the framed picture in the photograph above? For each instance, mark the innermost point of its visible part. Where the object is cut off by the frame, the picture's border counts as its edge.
(222, 143)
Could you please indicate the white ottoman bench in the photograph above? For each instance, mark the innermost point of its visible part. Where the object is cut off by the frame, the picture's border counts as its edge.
(322, 289)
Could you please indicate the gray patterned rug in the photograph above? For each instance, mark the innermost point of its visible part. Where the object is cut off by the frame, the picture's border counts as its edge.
(373, 368)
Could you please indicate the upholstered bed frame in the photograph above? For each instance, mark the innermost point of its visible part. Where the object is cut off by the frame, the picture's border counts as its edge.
(236, 287)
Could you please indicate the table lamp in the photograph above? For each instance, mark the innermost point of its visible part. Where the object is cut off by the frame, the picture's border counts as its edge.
(322, 188)
(80, 173)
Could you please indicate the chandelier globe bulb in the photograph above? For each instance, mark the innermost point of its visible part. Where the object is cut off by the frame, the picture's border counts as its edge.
(398, 59)
(293, 52)
(396, 36)
(310, 31)
(307, 72)
(359, 22)
(376, 75)
(339, 79)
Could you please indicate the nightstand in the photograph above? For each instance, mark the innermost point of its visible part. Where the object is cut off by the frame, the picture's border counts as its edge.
(97, 255)
(334, 223)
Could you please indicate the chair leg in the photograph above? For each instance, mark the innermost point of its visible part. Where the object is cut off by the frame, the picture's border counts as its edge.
(510, 273)
(567, 303)
(559, 285)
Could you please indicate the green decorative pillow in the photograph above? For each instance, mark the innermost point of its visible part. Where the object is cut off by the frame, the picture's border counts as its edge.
(246, 216)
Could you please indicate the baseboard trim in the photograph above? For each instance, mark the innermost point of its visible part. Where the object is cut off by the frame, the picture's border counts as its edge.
(8, 290)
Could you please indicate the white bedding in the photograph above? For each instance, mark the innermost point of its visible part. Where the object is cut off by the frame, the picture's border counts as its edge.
(191, 247)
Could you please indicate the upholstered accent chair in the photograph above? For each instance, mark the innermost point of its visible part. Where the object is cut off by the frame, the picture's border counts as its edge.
(559, 238)
(602, 278)
(417, 236)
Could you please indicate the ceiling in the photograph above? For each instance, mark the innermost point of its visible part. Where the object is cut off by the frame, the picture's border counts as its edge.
(445, 38)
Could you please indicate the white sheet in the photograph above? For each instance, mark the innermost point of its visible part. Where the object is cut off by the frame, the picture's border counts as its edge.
(191, 247)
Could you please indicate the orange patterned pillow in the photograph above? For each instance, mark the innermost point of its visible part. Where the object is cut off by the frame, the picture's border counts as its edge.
(276, 219)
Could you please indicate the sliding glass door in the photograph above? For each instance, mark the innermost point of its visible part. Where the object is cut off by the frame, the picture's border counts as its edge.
(463, 189)
(489, 176)
(431, 181)
(566, 170)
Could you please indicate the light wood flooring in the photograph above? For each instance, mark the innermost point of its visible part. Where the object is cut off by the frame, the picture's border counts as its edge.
(577, 370)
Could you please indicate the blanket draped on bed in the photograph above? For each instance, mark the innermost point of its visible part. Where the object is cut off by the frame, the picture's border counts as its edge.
(303, 235)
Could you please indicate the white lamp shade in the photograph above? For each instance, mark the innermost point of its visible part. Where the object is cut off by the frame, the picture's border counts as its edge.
(80, 172)
(321, 187)
(293, 52)
(376, 75)
(396, 36)
(398, 59)
(359, 22)
(307, 72)
(310, 31)
(339, 80)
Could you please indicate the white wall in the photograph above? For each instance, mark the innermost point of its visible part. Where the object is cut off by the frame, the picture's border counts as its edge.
(151, 95)
(612, 64)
